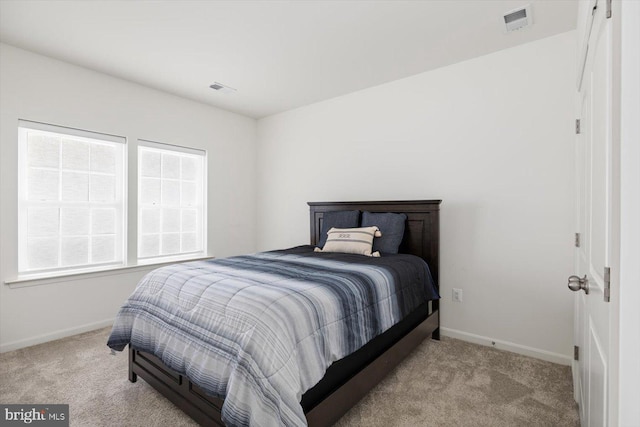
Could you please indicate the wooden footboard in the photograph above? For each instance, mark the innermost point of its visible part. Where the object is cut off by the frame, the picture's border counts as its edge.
(206, 409)
(177, 388)
(335, 405)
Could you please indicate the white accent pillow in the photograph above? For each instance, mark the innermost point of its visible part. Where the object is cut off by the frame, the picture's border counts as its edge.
(351, 240)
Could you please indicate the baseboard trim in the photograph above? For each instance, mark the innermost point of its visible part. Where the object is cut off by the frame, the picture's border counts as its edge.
(63, 333)
(448, 332)
(508, 346)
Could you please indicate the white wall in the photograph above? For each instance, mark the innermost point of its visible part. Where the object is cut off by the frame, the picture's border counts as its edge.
(493, 138)
(38, 88)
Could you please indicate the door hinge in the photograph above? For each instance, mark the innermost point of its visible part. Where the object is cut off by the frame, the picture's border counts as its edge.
(577, 126)
(576, 352)
(577, 242)
(608, 8)
(607, 284)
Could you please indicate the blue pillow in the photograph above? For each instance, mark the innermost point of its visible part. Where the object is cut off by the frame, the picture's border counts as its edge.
(338, 219)
(391, 226)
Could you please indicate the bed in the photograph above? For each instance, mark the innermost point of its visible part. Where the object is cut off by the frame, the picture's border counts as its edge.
(346, 380)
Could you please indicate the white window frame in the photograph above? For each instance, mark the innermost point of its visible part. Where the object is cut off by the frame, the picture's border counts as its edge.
(202, 155)
(120, 203)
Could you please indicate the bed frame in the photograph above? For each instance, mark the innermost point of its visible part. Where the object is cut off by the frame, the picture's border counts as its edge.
(349, 379)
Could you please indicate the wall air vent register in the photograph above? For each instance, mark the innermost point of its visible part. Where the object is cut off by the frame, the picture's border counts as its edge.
(517, 19)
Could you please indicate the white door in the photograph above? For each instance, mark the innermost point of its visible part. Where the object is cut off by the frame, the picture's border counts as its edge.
(595, 216)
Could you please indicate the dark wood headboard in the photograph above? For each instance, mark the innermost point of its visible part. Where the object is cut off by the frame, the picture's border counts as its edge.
(421, 234)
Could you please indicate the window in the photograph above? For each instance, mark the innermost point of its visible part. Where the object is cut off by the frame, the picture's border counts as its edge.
(171, 200)
(71, 201)
(72, 192)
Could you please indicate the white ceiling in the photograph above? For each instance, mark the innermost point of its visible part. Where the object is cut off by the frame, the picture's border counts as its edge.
(279, 55)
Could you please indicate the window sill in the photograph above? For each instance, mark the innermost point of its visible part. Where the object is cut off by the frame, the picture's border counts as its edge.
(45, 279)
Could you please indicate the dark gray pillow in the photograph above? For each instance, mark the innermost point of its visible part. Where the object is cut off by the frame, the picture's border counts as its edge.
(338, 219)
(391, 226)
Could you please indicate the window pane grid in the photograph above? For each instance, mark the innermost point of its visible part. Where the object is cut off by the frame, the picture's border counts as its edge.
(71, 202)
(170, 203)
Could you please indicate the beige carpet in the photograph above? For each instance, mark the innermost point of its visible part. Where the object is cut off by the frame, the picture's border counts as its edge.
(446, 383)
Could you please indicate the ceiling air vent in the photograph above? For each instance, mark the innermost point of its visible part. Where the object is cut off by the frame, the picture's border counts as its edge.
(517, 19)
(222, 88)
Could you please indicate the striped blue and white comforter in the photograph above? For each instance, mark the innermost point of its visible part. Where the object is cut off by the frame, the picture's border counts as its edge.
(260, 330)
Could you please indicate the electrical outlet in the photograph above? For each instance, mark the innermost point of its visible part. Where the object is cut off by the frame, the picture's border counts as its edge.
(457, 295)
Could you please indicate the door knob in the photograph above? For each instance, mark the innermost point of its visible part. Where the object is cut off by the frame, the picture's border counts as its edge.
(576, 283)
